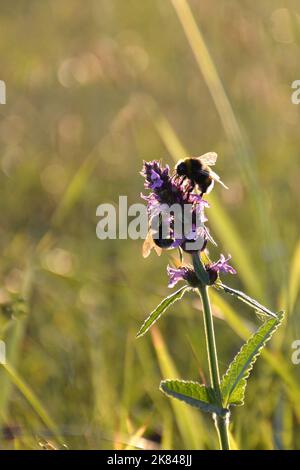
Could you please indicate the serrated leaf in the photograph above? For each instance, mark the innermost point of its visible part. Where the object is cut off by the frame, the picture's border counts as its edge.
(247, 299)
(161, 308)
(234, 382)
(193, 394)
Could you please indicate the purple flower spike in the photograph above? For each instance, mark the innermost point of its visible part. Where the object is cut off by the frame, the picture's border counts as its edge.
(184, 273)
(168, 190)
(155, 175)
(157, 182)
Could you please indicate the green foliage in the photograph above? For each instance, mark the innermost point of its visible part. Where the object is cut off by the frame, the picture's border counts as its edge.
(193, 394)
(161, 308)
(247, 300)
(191, 425)
(234, 382)
(13, 317)
(33, 400)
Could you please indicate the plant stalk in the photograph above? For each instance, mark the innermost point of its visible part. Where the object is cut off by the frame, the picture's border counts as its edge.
(221, 422)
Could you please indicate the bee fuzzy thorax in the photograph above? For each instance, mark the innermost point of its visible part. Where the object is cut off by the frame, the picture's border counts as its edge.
(181, 168)
(197, 170)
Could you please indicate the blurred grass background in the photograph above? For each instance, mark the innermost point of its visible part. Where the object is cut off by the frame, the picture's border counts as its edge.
(92, 90)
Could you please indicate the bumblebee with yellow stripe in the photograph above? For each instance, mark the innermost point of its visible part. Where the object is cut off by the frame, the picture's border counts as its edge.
(197, 170)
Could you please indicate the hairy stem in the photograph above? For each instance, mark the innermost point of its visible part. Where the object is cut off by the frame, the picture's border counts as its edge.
(220, 421)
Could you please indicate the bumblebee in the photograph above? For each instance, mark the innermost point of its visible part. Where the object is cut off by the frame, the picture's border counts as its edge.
(156, 238)
(197, 170)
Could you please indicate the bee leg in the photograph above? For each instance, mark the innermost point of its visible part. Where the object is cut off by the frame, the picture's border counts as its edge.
(190, 187)
(180, 254)
(180, 180)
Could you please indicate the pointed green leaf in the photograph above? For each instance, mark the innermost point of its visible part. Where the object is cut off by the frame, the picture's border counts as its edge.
(193, 394)
(247, 299)
(161, 308)
(234, 382)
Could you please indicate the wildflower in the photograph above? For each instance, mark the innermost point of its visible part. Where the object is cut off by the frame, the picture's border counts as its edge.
(168, 191)
(183, 273)
(154, 174)
(220, 266)
(156, 181)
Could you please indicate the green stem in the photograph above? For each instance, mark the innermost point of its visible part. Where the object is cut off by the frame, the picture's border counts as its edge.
(211, 343)
(220, 421)
(222, 424)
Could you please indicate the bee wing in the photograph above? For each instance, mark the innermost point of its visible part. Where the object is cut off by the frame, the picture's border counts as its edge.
(158, 250)
(148, 245)
(208, 158)
(217, 178)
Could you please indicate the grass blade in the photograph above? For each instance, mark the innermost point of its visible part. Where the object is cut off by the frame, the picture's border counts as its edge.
(191, 426)
(233, 130)
(294, 281)
(32, 399)
(212, 79)
(218, 219)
